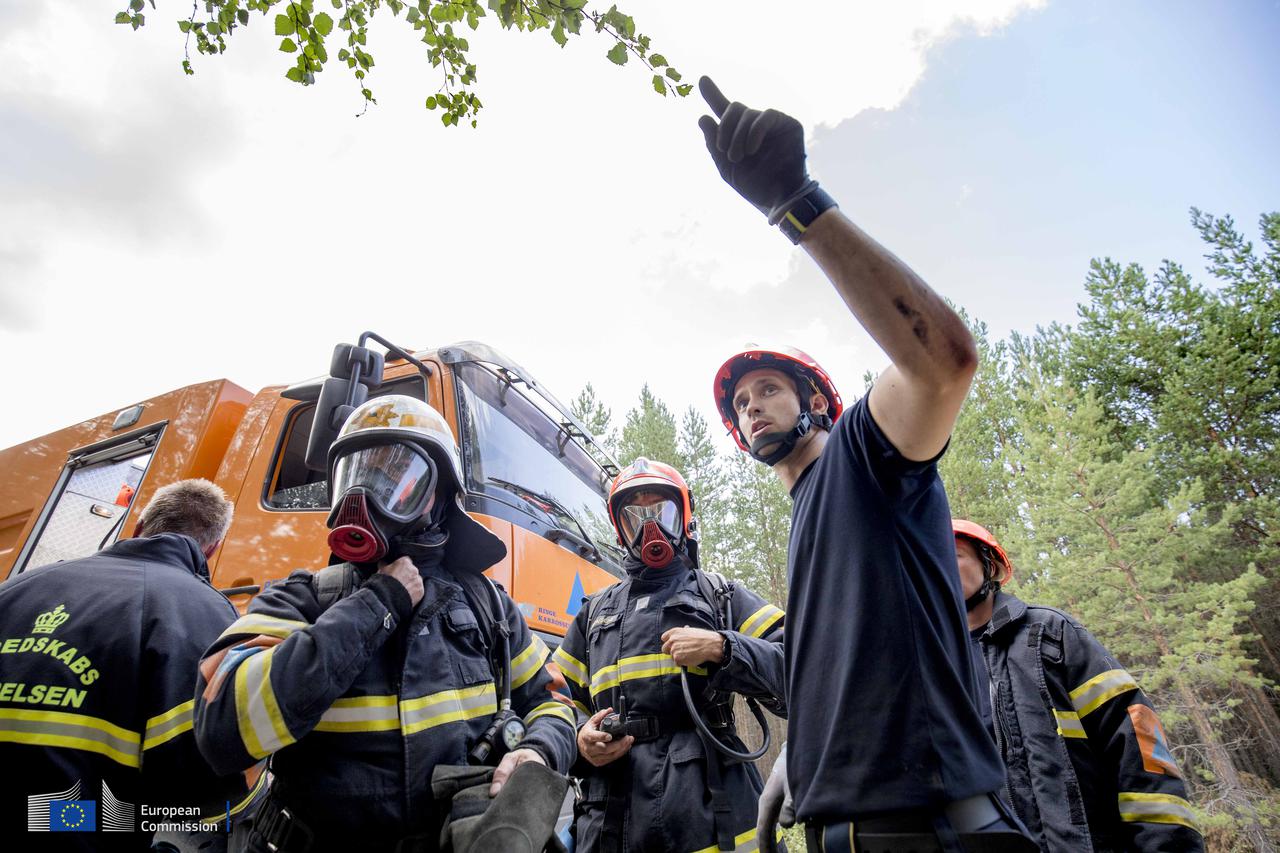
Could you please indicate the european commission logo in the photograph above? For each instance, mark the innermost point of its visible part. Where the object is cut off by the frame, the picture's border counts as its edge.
(64, 811)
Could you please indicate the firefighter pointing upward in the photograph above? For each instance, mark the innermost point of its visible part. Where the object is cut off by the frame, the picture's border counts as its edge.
(884, 735)
(652, 783)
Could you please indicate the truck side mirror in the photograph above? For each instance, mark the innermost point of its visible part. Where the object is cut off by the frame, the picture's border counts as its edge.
(353, 372)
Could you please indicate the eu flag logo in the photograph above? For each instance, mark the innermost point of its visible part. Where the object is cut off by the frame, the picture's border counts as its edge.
(73, 816)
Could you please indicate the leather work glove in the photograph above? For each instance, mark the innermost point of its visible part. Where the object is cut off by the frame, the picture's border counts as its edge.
(759, 154)
(775, 806)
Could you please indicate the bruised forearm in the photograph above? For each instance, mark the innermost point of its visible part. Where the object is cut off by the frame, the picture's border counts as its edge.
(921, 334)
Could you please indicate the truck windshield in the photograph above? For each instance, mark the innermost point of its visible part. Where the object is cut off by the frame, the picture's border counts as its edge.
(518, 455)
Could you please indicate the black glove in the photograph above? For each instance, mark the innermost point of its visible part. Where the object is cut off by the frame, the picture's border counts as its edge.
(761, 155)
(775, 805)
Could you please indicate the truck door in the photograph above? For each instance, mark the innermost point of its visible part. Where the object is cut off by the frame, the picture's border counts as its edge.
(91, 500)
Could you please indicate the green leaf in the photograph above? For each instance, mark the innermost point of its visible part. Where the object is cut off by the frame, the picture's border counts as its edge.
(284, 25)
(324, 24)
(657, 60)
(136, 5)
(125, 18)
(413, 15)
(287, 46)
(684, 89)
(659, 86)
(185, 26)
(618, 54)
(431, 102)
(242, 15)
(294, 74)
(213, 28)
(673, 74)
(557, 33)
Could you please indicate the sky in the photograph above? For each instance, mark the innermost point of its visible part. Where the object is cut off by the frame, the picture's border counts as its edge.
(158, 230)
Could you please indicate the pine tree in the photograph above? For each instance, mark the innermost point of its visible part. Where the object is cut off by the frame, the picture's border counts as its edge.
(649, 431)
(757, 528)
(704, 472)
(1115, 548)
(596, 417)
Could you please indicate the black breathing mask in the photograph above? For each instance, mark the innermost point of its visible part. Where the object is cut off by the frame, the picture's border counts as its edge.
(380, 493)
(647, 531)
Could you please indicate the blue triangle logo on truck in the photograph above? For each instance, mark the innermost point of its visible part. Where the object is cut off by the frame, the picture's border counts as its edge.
(575, 595)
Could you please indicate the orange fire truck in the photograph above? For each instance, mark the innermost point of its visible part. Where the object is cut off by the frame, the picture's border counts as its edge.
(535, 476)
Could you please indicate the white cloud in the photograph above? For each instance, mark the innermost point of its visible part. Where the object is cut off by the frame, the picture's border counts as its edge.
(232, 224)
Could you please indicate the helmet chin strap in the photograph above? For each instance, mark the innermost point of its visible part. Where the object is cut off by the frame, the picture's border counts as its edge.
(782, 442)
(988, 587)
(989, 583)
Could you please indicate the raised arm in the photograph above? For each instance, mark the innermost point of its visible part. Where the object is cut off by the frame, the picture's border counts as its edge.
(916, 400)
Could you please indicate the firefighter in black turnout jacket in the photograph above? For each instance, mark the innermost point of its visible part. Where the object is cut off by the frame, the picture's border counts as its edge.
(362, 678)
(657, 784)
(97, 669)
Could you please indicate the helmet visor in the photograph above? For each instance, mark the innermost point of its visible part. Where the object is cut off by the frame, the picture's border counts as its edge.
(396, 477)
(665, 512)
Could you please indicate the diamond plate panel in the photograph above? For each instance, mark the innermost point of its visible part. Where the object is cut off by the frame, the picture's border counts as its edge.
(74, 529)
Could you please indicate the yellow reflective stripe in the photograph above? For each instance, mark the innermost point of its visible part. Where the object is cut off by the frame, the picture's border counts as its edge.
(447, 706)
(759, 623)
(573, 669)
(1136, 807)
(72, 731)
(796, 223)
(361, 714)
(583, 708)
(1069, 724)
(742, 843)
(258, 717)
(169, 725)
(558, 710)
(640, 666)
(1088, 697)
(240, 806)
(526, 664)
(254, 624)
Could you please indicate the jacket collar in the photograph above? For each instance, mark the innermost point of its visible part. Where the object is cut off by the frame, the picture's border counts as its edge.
(171, 549)
(1008, 610)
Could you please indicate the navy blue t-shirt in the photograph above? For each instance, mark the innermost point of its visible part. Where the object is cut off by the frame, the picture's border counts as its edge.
(881, 691)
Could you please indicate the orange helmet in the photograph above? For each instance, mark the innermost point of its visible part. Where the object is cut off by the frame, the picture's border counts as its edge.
(982, 535)
(793, 362)
(679, 527)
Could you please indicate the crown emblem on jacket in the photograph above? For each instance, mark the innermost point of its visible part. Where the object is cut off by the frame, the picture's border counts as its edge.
(47, 623)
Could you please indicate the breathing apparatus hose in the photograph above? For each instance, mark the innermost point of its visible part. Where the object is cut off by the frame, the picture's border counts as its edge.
(703, 729)
(707, 735)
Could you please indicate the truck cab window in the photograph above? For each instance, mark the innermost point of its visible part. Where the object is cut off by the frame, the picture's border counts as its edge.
(518, 455)
(294, 486)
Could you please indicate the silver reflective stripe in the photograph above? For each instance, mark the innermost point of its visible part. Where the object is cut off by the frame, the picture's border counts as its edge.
(361, 714)
(1095, 692)
(167, 726)
(447, 706)
(1138, 807)
(73, 731)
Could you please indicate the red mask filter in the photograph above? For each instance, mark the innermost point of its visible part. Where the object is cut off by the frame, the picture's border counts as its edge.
(655, 549)
(355, 537)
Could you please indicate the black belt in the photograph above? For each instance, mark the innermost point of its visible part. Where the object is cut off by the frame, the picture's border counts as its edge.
(284, 832)
(647, 727)
(978, 824)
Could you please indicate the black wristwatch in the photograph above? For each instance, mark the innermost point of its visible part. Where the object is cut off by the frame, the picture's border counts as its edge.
(800, 215)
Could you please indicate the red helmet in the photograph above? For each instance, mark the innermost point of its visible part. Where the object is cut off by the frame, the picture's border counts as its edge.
(646, 474)
(789, 360)
(653, 532)
(978, 533)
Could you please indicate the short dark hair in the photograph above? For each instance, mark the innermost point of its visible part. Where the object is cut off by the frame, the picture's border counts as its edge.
(196, 508)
